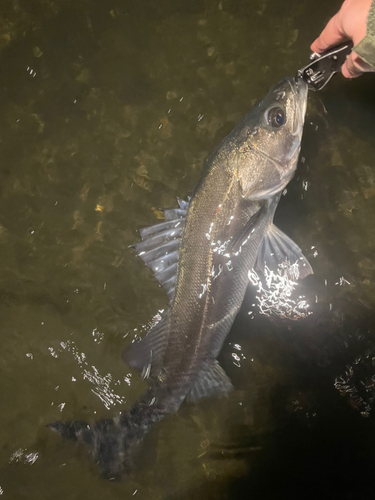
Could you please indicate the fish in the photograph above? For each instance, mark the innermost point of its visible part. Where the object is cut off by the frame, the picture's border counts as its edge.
(201, 255)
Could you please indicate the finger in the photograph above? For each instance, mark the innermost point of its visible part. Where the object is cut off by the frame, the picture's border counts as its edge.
(352, 67)
(355, 66)
(332, 34)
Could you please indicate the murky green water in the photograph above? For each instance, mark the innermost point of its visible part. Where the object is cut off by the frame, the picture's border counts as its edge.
(108, 111)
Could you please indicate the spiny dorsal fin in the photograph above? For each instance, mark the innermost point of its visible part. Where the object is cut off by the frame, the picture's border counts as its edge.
(160, 243)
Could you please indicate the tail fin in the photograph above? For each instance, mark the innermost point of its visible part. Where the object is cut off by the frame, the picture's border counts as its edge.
(75, 430)
(109, 441)
(114, 442)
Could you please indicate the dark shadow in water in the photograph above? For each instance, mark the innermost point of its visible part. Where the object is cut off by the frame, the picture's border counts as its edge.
(321, 448)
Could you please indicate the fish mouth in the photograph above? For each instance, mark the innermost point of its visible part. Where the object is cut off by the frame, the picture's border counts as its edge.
(299, 89)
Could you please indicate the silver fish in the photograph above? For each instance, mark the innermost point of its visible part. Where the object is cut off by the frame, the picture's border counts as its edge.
(201, 255)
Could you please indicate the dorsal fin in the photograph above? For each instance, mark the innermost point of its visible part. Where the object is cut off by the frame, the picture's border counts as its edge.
(160, 244)
(174, 213)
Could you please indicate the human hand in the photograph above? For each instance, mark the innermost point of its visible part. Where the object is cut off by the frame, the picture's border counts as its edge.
(349, 22)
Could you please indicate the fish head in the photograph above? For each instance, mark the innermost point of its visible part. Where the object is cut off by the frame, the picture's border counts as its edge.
(281, 115)
(272, 133)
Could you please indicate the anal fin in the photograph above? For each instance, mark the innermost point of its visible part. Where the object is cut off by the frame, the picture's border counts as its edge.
(213, 381)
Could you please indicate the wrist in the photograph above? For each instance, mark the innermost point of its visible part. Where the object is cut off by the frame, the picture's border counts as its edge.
(365, 49)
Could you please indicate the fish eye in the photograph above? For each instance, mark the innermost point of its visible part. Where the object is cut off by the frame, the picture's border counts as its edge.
(275, 117)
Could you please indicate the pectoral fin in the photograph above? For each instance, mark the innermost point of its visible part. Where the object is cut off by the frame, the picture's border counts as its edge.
(212, 381)
(249, 227)
(277, 247)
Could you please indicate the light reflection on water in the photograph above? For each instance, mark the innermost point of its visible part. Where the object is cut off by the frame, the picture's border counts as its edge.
(103, 384)
(276, 292)
(108, 113)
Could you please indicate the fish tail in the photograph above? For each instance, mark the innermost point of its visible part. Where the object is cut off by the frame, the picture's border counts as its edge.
(113, 443)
